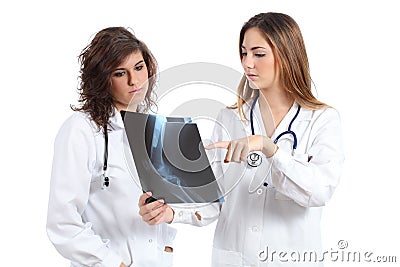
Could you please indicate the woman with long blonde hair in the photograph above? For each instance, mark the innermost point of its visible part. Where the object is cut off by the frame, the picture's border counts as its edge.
(279, 152)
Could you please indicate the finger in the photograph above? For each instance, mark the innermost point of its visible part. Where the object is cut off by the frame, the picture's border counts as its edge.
(146, 208)
(150, 217)
(244, 154)
(159, 218)
(231, 147)
(143, 197)
(222, 144)
(238, 151)
(151, 214)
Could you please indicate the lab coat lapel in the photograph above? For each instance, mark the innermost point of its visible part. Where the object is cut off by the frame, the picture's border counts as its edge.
(304, 116)
(116, 120)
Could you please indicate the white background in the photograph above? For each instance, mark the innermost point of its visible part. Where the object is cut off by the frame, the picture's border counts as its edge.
(353, 48)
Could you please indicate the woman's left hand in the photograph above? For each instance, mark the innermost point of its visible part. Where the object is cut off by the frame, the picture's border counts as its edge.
(239, 149)
(155, 212)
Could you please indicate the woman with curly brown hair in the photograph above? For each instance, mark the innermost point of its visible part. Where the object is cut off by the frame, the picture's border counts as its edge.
(93, 215)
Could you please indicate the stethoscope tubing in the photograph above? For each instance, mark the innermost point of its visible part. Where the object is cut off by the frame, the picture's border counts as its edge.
(289, 130)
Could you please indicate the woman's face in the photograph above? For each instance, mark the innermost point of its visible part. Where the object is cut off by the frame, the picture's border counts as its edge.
(258, 61)
(129, 82)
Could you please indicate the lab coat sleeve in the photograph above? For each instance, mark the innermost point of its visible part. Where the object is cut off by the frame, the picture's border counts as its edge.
(310, 179)
(197, 216)
(73, 162)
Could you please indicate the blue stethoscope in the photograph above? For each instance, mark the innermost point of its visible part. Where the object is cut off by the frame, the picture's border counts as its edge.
(254, 159)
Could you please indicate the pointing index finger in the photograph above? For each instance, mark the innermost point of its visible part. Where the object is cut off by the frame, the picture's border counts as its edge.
(222, 144)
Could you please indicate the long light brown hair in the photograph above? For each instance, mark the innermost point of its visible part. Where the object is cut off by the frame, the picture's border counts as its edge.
(99, 59)
(286, 41)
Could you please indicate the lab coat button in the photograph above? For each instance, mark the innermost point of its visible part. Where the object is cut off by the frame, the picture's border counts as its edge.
(254, 228)
(259, 191)
(150, 240)
(180, 213)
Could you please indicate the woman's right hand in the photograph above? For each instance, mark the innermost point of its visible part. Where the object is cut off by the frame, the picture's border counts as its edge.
(237, 150)
(122, 265)
(155, 212)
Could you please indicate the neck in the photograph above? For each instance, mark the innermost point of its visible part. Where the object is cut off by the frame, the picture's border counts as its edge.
(276, 99)
(274, 105)
(120, 106)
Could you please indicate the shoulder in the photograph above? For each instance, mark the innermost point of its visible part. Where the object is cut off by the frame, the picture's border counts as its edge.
(228, 113)
(78, 124)
(327, 114)
(78, 120)
(325, 120)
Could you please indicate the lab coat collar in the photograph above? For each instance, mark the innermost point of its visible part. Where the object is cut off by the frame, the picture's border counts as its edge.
(304, 115)
(115, 120)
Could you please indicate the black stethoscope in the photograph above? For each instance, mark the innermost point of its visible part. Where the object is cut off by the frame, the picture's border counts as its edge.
(254, 159)
(106, 180)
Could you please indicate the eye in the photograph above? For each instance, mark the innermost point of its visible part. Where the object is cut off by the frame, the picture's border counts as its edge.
(259, 54)
(139, 68)
(244, 54)
(119, 73)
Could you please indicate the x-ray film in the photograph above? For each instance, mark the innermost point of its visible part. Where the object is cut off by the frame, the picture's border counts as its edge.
(170, 158)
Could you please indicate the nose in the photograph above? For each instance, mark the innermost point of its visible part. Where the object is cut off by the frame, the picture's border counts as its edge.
(132, 80)
(247, 62)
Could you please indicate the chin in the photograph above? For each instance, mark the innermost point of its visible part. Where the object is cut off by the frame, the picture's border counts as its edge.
(136, 101)
(253, 85)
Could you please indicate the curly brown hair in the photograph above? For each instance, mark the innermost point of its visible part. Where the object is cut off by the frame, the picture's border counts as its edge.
(105, 52)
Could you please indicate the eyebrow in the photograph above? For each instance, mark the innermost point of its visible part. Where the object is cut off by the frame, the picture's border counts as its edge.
(254, 48)
(141, 61)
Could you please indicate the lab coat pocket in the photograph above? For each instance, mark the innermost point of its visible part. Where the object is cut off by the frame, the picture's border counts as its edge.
(167, 234)
(167, 259)
(302, 158)
(222, 257)
(280, 196)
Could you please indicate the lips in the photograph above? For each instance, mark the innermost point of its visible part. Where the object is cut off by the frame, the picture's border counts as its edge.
(251, 76)
(135, 91)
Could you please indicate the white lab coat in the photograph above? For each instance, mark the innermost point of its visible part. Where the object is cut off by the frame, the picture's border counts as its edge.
(92, 226)
(285, 215)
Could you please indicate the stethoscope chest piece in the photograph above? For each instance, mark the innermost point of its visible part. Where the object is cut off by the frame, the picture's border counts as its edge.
(254, 159)
(106, 182)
